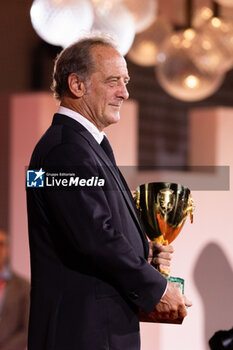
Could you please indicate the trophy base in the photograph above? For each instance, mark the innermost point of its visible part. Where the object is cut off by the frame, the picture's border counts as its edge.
(153, 316)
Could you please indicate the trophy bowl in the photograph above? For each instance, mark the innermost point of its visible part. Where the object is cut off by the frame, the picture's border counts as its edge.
(163, 208)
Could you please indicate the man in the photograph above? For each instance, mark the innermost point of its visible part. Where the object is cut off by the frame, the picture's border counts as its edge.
(14, 303)
(89, 253)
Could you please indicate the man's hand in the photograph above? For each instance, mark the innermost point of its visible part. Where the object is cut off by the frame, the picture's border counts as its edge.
(160, 256)
(172, 304)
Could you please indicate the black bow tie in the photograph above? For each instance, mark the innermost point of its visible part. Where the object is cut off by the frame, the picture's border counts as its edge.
(108, 150)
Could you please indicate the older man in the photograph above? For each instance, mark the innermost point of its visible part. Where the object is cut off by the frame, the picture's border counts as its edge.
(14, 303)
(90, 273)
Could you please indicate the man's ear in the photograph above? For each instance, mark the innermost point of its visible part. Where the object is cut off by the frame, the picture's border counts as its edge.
(76, 85)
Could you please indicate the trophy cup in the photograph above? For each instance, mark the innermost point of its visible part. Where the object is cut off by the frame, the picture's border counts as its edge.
(163, 208)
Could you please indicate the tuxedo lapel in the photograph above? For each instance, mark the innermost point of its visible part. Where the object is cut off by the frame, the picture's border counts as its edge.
(120, 182)
(115, 173)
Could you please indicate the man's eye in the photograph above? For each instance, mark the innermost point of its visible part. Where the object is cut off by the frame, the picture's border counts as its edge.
(112, 82)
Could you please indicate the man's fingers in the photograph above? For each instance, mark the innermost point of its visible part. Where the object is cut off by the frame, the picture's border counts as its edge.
(182, 312)
(159, 261)
(157, 247)
(172, 305)
(174, 314)
(187, 301)
(159, 254)
(164, 255)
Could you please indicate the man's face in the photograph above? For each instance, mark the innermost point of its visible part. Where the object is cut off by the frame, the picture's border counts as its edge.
(106, 88)
(3, 249)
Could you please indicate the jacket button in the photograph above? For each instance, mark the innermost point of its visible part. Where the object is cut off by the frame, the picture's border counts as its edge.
(134, 295)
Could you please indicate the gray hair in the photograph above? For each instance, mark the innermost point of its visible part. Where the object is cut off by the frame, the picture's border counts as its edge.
(77, 58)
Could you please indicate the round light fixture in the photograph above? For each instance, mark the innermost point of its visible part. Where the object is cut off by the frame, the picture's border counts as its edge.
(147, 44)
(178, 73)
(114, 18)
(143, 13)
(201, 16)
(61, 22)
(221, 33)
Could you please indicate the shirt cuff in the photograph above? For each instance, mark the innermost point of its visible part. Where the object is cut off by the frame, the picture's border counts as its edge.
(165, 290)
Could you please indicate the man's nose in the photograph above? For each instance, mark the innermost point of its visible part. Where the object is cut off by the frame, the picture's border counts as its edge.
(123, 92)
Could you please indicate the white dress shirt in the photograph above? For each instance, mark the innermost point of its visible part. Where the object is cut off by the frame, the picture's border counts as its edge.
(98, 135)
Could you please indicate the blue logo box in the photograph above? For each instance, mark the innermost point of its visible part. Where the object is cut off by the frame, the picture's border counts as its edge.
(35, 178)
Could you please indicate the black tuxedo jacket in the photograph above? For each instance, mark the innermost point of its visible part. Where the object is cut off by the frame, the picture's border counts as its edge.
(88, 251)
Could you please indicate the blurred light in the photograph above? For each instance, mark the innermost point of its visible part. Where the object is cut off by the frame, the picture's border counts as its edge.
(103, 6)
(191, 81)
(206, 45)
(61, 22)
(206, 13)
(186, 43)
(220, 32)
(179, 74)
(114, 18)
(189, 34)
(175, 40)
(191, 63)
(147, 44)
(206, 53)
(227, 3)
(216, 22)
(143, 12)
(201, 16)
(161, 57)
(202, 48)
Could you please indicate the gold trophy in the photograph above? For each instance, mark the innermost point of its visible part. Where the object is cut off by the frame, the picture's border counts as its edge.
(163, 208)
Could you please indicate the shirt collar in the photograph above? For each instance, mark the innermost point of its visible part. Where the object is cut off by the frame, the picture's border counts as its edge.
(98, 135)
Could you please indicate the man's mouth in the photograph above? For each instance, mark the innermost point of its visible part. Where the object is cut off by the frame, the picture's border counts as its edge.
(117, 105)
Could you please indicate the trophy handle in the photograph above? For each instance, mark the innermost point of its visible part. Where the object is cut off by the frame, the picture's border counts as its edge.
(190, 208)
